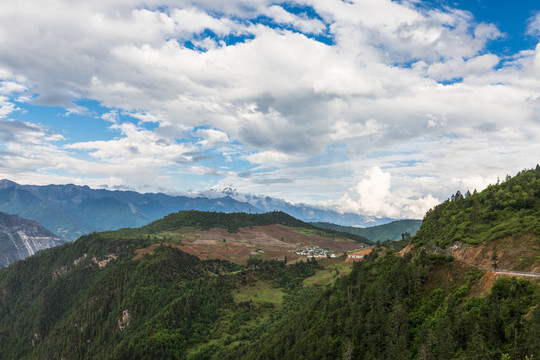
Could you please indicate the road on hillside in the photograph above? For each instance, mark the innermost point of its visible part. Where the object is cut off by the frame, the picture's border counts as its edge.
(504, 272)
(508, 272)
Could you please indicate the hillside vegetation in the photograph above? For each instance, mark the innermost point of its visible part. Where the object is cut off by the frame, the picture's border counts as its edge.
(507, 209)
(90, 300)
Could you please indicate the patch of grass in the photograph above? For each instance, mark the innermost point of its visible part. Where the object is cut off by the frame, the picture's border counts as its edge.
(329, 274)
(328, 233)
(260, 292)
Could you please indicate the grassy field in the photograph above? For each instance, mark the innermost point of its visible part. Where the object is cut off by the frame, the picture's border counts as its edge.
(261, 292)
(332, 270)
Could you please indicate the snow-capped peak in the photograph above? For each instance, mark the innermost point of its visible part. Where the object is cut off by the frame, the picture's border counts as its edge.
(219, 191)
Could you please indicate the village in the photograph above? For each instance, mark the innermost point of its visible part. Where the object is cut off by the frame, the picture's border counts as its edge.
(318, 252)
(315, 251)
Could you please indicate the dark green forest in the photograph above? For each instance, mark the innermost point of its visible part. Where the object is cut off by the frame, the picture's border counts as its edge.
(387, 309)
(171, 305)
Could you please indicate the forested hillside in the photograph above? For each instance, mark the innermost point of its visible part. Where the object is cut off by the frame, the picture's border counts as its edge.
(403, 308)
(507, 209)
(170, 305)
(90, 299)
(100, 297)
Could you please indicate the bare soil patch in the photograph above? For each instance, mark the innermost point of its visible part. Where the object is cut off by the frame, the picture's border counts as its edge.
(266, 242)
(483, 286)
(450, 276)
(407, 249)
(520, 254)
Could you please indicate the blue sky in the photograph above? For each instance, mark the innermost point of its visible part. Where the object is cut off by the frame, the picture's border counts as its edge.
(376, 107)
(510, 17)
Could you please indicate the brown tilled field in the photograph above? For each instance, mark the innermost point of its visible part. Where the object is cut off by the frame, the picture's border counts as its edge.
(268, 242)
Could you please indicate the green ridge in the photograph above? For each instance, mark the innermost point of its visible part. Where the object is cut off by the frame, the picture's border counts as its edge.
(508, 209)
(232, 222)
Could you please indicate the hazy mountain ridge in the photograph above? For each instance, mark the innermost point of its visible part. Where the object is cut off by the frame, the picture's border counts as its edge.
(391, 231)
(305, 212)
(71, 210)
(20, 238)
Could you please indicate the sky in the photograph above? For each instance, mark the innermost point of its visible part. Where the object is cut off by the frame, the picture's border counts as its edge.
(378, 107)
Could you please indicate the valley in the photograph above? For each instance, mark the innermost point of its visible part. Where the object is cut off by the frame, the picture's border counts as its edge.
(208, 285)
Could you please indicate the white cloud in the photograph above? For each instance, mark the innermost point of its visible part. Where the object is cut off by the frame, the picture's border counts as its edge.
(11, 87)
(136, 147)
(270, 158)
(212, 137)
(6, 107)
(204, 170)
(111, 116)
(193, 21)
(295, 107)
(533, 27)
(302, 23)
(487, 32)
(459, 68)
(375, 196)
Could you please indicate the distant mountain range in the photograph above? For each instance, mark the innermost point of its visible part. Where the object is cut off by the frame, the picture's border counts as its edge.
(304, 212)
(20, 238)
(71, 211)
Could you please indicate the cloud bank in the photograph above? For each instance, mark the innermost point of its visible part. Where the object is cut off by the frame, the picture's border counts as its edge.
(375, 106)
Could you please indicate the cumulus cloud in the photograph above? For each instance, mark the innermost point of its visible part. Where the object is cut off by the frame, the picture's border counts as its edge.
(137, 147)
(394, 82)
(111, 116)
(212, 137)
(268, 158)
(6, 107)
(373, 196)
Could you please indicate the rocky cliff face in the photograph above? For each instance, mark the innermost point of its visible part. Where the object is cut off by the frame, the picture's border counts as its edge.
(20, 238)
